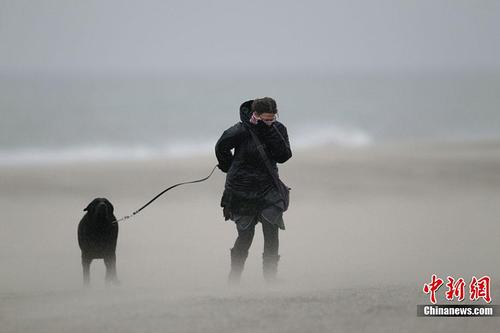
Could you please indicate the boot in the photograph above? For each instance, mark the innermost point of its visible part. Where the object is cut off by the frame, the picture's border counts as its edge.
(270, 266)
(237, 263)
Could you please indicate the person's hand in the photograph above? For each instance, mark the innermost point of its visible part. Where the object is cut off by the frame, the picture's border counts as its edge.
(261, 127)
(223, 168)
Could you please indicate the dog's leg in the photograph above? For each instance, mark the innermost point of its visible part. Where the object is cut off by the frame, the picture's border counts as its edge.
(110, 262)
(86, 270)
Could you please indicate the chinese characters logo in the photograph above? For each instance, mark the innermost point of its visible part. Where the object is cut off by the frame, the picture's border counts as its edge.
(477, 288)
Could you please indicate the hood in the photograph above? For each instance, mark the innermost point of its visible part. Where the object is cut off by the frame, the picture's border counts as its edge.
(246, 111)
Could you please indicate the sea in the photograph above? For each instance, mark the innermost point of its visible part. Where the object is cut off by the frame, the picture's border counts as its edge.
(68, 117)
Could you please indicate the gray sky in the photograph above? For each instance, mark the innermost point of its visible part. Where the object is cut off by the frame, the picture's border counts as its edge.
(115, 35)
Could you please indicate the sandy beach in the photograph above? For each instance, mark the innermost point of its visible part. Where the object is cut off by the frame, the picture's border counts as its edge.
(365, 230)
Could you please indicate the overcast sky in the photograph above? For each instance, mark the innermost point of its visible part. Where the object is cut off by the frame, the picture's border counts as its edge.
(115, 35)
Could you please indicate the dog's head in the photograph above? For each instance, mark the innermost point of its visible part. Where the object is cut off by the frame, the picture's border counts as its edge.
(101, 208)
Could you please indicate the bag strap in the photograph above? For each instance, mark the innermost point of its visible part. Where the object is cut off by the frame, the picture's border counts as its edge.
(265, 158)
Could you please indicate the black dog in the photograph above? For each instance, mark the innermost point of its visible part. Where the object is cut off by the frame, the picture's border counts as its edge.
(97, 235)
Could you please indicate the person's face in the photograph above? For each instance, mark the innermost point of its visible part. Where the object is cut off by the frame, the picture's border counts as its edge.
(268, 118)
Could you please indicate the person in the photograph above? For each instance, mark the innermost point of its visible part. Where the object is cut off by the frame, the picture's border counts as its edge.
(250, 194)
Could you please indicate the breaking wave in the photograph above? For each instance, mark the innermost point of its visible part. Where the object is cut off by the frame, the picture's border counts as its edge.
(307, 137)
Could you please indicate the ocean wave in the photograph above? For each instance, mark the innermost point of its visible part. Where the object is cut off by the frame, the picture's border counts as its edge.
(301, 139)
(101, 153)
(319, 135)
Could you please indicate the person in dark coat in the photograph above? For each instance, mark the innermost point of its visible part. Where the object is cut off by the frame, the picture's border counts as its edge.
(250, 194)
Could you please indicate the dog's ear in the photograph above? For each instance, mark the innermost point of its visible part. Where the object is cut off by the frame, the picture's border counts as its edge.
(90, 206)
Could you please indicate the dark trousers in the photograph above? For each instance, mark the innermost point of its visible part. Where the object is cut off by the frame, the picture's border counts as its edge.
(245, 238)
(239, 252)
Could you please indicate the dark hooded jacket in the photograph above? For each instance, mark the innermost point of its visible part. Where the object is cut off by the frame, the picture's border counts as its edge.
(249, 187)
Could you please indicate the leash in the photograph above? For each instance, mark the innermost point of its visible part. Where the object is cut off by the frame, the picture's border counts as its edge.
(161, 193)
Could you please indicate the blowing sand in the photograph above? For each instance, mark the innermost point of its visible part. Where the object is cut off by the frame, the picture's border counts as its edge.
(366, 229)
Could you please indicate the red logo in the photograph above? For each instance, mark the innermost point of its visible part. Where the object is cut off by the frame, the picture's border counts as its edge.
(478, 288)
